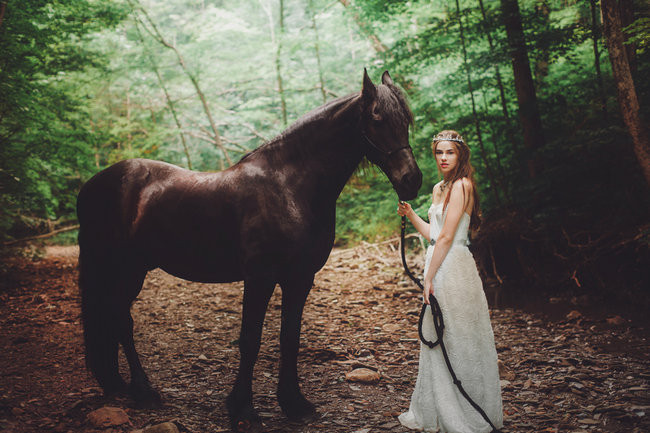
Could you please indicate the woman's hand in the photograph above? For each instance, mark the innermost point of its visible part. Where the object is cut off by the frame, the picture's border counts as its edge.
(404, 209)
(428, 290)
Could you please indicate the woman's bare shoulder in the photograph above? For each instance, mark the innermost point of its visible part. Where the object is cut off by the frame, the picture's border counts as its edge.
(436, 191)
(463, 183)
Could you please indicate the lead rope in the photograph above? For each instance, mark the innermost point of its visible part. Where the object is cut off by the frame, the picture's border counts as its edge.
(439, 325)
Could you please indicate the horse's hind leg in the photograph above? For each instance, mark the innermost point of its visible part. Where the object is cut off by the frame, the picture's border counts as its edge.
(293, 403)
(257, 293)
(140, 388)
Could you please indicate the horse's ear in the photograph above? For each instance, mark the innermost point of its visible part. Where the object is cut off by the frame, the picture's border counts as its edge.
(369, 91)
(386, 79)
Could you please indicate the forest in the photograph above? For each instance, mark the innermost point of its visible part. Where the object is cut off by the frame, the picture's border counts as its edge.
(552, 97)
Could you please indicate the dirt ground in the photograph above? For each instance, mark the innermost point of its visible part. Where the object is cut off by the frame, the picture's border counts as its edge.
(577, 373)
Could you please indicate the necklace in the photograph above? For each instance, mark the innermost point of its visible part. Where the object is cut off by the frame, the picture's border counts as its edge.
(445, 184)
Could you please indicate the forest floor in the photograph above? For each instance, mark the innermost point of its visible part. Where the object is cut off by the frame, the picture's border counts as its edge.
(575, 372)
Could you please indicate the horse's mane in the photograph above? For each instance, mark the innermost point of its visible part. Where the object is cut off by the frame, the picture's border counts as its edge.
(393, 104)
(401, 110)
(325, 111)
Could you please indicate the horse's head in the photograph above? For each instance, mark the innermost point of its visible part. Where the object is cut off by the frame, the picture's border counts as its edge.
(384, 125)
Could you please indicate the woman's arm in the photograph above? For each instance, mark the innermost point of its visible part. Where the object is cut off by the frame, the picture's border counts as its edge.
(457, 203)
(423, 227)
(404, 209)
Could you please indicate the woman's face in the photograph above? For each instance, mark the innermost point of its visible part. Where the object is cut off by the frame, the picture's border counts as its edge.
(446, 157)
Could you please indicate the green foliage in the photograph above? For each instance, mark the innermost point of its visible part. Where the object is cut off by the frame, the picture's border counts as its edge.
(639, 34)
(87, 83)
(44, 127)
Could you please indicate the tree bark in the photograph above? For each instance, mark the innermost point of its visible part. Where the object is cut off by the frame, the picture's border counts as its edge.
(477, 124)
(3, 7)
(595, 36)
(283, 102)
(312, 15)
(526, 97)
(626, 93)
(626, 8)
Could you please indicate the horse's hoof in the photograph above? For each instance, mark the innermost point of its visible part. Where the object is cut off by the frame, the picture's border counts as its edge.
(145, 396)
(299, 410)
(243, 417)
(115, 387)
(304, 418)
(248, 426)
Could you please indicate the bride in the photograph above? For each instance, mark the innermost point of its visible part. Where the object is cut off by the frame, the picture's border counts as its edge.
(450, 274)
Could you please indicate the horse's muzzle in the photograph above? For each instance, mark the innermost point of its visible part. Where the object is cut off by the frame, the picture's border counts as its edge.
(408, 186)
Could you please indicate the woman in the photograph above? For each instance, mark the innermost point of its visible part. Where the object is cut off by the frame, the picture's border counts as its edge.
(451, 275)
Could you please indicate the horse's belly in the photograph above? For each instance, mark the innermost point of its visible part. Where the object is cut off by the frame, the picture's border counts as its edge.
(217, 272)
(206, 263)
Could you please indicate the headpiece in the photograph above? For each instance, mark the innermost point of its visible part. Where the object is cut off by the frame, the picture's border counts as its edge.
(457, 140)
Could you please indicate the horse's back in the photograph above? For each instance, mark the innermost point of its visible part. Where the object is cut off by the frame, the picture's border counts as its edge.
(108, 202)
(203, 226)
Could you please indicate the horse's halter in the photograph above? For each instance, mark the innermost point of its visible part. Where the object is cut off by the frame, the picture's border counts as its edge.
(385, 154)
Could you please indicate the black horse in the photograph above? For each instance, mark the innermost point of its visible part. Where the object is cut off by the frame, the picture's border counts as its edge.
(267, 219)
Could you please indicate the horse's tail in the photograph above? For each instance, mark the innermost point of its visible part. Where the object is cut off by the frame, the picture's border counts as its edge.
(97, 283)
(100, 318)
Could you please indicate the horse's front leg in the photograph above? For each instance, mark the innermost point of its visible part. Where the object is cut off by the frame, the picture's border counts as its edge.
(293, 403)
(243, 417)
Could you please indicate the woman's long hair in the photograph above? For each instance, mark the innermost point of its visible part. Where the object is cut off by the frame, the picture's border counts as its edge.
(463, 169)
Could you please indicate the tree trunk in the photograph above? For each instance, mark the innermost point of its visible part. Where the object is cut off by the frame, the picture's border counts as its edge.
(170, 103)
(626, 8)
(502, 94)
(626, 93)
(527, 99)
(277, 41)
(206, 108)
(312, 15)
(129, 136)
(3, 7)
(595, 36)
(541, 62)
(283, 102)
(379, 47)
(477, 124)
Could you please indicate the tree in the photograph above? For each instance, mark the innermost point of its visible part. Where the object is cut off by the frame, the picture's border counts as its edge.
(45, 132)
(626, 92)
(595, 37)
(314, 27)
(168, 98)
(529, 116)
(477, 123)
(155, 32)
(277, 41)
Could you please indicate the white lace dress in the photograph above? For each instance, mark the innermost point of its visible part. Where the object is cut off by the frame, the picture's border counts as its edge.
(436, 404)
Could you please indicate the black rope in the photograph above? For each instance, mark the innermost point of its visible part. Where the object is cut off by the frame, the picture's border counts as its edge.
(439, 326)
